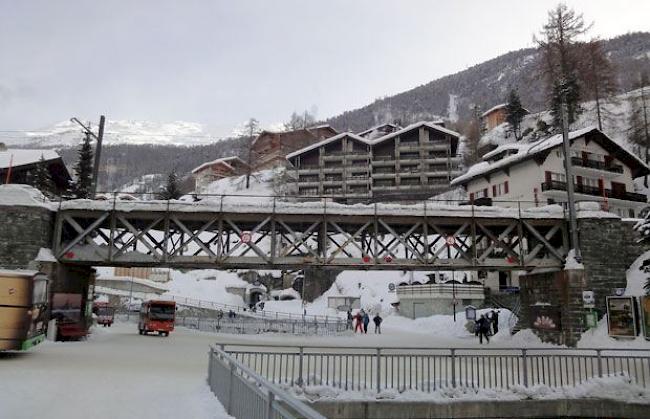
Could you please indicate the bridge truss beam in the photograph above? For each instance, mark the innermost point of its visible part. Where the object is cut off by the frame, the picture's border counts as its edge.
(225, 240)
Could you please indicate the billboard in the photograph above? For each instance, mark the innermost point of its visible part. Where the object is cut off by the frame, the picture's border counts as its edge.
(621, 317)
(645, 315)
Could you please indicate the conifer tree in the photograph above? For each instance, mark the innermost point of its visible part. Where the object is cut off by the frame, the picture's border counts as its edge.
(515, 113)
(43, 179)
(558, 43)
(172, 189)
(84, 170)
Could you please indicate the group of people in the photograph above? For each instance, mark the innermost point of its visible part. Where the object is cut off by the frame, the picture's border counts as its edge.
(361, 320)
(486, 326)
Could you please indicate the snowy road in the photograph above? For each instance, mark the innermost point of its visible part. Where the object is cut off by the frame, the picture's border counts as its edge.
(115, 374)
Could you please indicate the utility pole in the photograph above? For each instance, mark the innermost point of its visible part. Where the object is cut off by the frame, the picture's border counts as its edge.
(98, 148)
(568, 166)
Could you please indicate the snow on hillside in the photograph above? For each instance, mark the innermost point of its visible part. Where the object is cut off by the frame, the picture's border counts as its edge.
(67, 134)
(262, 184)
(615, 123)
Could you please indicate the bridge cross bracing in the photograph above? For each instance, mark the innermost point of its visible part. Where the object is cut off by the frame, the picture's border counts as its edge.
(266, 233)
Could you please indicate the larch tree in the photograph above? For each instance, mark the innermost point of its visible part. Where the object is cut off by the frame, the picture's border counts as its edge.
(471, 131)
(639, 118)
(83, 169)
(515, 113)
(43, 179)
(172, 189)
(598, 78)
(558, 43)
(250, 130)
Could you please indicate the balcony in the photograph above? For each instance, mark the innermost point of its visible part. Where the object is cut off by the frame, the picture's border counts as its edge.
(597, 164)
(555, 185)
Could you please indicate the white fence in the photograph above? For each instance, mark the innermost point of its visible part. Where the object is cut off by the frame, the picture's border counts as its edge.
(428, 369)
(247, 395)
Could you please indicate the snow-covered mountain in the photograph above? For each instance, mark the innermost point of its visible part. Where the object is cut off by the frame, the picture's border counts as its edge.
(68, 134)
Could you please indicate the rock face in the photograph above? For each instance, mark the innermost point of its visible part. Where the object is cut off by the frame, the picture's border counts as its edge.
(317, 281)
(24, 230)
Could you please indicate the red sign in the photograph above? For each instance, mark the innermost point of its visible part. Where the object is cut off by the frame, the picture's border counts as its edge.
(69, 255)
(388, 259)
(246, 237)
(366, 259)
(450, 240)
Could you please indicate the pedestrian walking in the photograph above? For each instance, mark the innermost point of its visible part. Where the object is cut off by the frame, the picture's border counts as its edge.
(483, 325)
(366, 321)
(348, 325)
(358, 319)
(494, 318)
(377, 319)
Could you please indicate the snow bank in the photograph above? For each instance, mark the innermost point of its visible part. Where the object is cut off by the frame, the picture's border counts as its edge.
(23, 195)
(207, 284)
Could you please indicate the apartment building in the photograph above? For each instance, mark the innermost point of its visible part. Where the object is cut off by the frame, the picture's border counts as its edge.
(411, 163)
(269, 149)
(533, 174)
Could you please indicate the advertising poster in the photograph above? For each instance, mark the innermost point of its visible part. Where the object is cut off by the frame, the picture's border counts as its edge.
(621, 317)
(645, 313)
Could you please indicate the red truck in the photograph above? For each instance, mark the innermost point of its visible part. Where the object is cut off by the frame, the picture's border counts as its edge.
(157, 316)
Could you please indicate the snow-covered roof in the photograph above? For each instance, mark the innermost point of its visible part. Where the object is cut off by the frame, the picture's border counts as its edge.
(327, 141)
(20, 157)
(280, 132)
(376, 127)
(493, 108)
(23, 195)
(415, 126)
(223, 160)
(528, 151)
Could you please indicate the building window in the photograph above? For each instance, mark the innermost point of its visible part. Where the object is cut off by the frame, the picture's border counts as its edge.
(500, 189)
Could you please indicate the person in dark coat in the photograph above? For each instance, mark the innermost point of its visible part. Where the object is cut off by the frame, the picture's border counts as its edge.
(366, 320)
(377, 320)
(348, 325)
(494, 318)
(483, 328)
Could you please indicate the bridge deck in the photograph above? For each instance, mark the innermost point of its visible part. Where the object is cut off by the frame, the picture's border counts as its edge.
(236, 232)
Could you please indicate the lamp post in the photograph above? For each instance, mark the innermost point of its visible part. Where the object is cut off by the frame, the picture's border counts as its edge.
(573, 225)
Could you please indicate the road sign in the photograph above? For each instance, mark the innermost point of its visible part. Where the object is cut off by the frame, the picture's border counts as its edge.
(450, 240)
(588, 299)
(246, 237)
(470, 313)
(388, 259)
(391, 287)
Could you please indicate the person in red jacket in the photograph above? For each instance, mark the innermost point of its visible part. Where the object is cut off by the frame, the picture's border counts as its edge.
(358, 322)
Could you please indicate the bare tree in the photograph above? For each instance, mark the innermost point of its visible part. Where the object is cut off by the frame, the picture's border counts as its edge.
(298, 121)
(598, 78)
(558, 43)
(471, 131)
(639, 117)
(251, 129)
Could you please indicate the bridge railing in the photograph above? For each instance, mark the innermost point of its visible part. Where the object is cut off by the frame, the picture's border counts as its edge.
(430, 369)
(246, 394)
(242, 325)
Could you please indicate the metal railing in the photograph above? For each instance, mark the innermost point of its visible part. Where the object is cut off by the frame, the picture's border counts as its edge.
(430, 369)
(595, 191)
(442, 289)
(242, 325)
(246, 395)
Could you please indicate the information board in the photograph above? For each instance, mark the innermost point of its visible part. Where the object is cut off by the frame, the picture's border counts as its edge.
(621, 317)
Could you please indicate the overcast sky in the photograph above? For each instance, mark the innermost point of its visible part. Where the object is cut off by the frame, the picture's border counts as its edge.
(219, 62)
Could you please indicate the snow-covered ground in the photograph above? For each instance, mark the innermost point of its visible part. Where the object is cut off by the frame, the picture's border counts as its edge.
(115, 374)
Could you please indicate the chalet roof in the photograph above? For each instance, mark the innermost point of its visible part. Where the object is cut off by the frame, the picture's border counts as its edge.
(528, 151)
(21, 157)
(416, 125)
(224, 160)
(307, 130)
(327, 141)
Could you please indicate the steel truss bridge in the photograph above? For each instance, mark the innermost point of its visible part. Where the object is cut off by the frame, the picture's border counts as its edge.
(266, 233)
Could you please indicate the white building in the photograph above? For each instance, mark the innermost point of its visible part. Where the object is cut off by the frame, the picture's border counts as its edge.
(533, 174)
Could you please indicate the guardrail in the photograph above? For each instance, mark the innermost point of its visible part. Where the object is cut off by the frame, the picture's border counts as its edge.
(247, 325)
(430, 369)
(247, 395)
